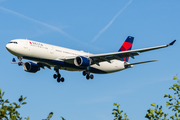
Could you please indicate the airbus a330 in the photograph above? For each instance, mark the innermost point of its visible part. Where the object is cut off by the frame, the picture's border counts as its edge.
(46, 55)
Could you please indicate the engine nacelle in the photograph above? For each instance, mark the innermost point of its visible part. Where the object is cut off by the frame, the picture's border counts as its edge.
(82, 61)
(31, 67)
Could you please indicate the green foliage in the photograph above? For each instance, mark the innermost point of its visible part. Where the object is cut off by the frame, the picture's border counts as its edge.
(63, 118)
(173, 104)
(117, 113)
(49, 116)
(9, 110)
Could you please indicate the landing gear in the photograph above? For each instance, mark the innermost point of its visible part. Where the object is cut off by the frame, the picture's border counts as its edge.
(88, 75)
(58, 76)
(20, 63)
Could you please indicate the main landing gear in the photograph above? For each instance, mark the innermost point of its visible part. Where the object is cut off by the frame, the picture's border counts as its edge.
(88, 75)
(58, 76)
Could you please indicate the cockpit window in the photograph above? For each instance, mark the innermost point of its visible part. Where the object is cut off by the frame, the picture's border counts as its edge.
(13, 42)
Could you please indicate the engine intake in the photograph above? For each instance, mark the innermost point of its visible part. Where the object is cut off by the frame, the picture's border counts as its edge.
(31, 67)
(82, 61)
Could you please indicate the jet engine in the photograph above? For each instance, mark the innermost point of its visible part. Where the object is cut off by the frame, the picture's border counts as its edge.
(82, 61)
(31, 67)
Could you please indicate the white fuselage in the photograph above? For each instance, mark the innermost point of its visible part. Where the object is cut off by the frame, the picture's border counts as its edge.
(50, 54)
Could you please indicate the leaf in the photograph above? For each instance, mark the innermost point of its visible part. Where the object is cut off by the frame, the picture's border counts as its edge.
(172, 117)
(174, 89)
(63, 118)
(7, 101)
(113, 113)
(18, 106)
(165, 95)
(115, 104)
(179, 111)
(153, 104)
(3, 94)
(24, 98)
(170, 96)
(125, 115)
(167, 104)
(175, 78)
(24, 103)
(176, 114)
(151, 111)
(14, 103)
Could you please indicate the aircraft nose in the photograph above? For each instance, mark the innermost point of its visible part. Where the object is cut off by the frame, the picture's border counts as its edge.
(9, 47)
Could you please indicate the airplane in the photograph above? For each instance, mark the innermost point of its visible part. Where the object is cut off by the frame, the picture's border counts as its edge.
(46, 55)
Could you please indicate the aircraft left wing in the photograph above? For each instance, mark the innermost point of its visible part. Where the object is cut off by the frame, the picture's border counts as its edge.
(119, 55)
(96, 58)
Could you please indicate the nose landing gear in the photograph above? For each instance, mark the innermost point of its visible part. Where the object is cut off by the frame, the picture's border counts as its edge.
(20, 63)
(88, 75)
(58, 76)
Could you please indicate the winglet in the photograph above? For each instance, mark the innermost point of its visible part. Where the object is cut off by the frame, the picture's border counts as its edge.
(172, 42)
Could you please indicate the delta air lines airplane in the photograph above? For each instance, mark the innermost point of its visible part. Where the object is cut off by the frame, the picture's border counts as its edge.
(45, 55)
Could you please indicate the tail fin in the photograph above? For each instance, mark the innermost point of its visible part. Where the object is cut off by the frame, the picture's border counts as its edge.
(127, 45)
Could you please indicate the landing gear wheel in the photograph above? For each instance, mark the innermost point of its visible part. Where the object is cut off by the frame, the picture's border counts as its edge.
(84, 73)
(20, 63)
(58, 80)
(87, 77)
(91, 76)
(62, 79)
(54, 76)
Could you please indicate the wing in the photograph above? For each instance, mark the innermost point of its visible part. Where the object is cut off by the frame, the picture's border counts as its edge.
(119, 55)
(95, 59)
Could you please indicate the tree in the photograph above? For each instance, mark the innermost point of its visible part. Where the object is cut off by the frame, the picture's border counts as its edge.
(173, 104)
(117, 113)
(9, 110)
(156, 114)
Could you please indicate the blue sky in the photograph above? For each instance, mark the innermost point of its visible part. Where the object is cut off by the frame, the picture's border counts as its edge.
(96, 27)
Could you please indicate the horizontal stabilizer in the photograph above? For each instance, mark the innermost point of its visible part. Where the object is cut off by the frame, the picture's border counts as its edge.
(172, 42)
(141, 62)
(14, 61)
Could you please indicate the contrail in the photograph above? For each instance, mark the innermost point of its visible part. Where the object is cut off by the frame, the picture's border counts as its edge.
(49, 26)
(39, 22)
(107, 26)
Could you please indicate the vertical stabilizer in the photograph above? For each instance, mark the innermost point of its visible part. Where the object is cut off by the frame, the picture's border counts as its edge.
(127, 45)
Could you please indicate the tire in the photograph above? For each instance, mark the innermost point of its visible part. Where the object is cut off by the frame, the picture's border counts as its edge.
(58, 80)
(87, 77)
(20, 63)
(54, 76)
(62, 79)
(92, 76)
(84, 73)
